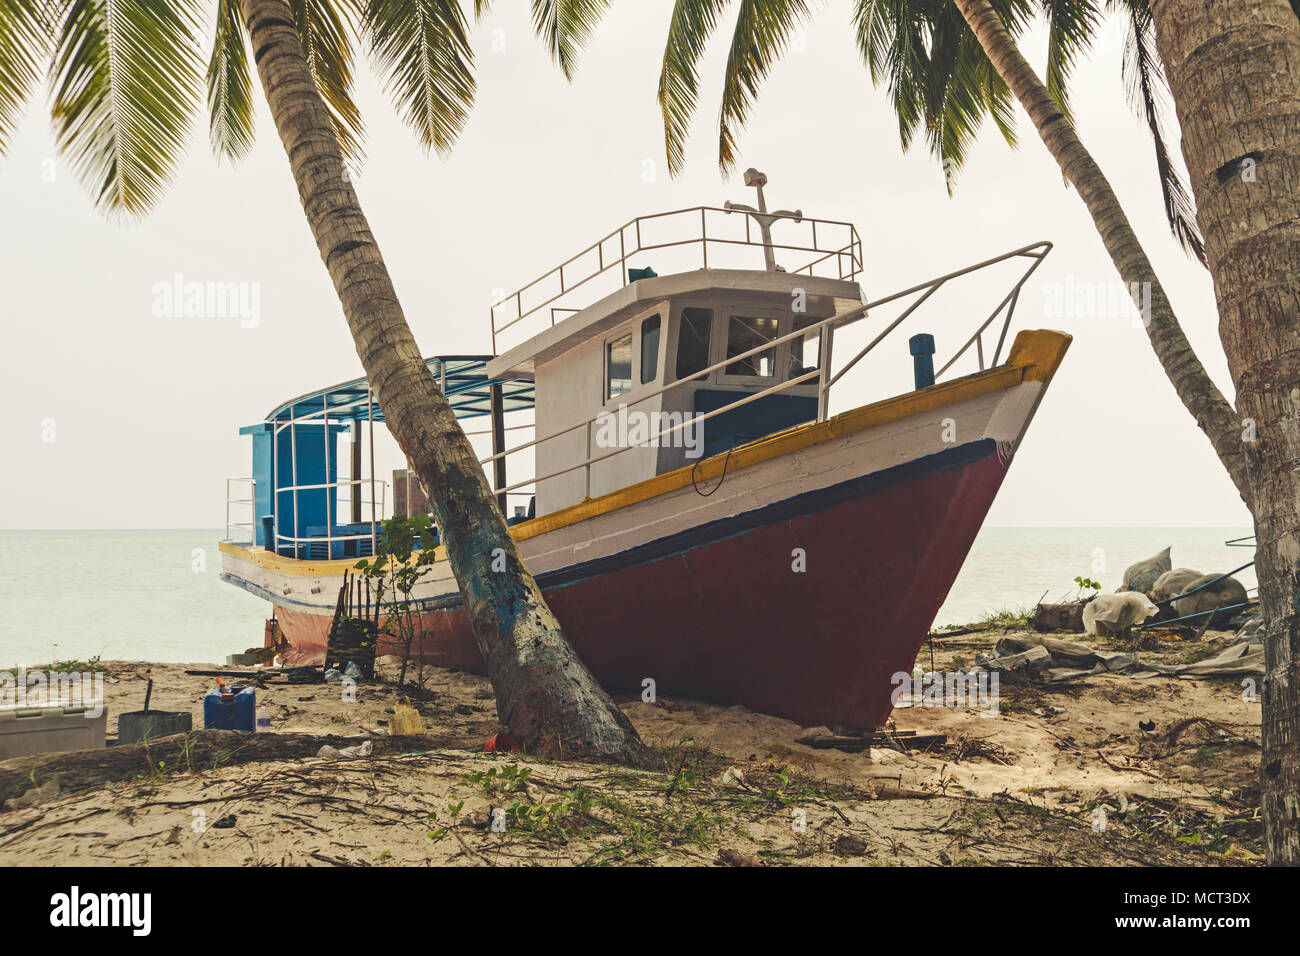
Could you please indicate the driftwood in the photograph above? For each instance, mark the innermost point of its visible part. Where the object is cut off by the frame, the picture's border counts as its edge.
(906, 740)
(199, 750)
(238, 675)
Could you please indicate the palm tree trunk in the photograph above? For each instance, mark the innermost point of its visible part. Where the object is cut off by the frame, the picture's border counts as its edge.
(545, 695)
(1232, 67)
(1195, 389)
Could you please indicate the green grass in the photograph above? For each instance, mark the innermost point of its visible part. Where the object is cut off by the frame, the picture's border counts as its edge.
(1006, 618)
(77, 667)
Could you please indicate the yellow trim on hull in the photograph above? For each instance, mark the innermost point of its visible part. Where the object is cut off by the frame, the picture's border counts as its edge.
(1035, 356)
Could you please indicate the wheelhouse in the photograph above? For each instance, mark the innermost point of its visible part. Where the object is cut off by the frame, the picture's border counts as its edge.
(671, 369)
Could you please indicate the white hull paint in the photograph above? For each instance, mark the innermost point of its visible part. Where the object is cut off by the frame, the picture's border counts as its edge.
(1002, 416)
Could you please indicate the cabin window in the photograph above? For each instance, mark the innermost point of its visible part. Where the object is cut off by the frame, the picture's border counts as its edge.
(749, 332)
(805, 351)
(618, 366)
(650, 349)
(693, 341)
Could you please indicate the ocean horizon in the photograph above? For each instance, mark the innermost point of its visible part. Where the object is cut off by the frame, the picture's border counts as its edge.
(157, 595)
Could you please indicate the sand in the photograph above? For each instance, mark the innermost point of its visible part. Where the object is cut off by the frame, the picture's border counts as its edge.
(1022, 787)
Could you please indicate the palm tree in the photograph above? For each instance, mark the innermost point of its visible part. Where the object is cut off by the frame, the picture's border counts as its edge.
(947, 64)
(1233, 75)
(126, 79)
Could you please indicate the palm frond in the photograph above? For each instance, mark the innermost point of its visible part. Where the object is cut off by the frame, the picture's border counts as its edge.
(1071, 25)
(1150, 98)
(127, 79)
(689, 29)
(421, 50)
(897, 39)
(1001, 101)
(230, 85)
(961, 110)
(565, 26)
(25, 43)
(762, 34)
(325, 29)
(936, 74)
(954, 89)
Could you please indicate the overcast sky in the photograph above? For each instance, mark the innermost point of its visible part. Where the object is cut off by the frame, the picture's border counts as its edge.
(144, 411)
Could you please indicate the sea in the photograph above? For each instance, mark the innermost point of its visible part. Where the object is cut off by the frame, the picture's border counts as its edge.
(158, 595)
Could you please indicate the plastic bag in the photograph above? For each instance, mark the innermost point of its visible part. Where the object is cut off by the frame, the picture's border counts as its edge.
(1110, 614)
(363, 749)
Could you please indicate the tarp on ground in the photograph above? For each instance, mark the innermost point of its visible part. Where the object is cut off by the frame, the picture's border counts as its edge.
(1054, 661)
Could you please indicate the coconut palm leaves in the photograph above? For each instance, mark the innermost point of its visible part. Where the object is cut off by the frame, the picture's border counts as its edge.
(689, 29)
(935, 73)
(762, 34)
(1070, 26)
(421, 49)
(24, 45)
(127, 77)
(938, 78)
(124, 80)
(230, 85)
(564, 26)
(1149, 96)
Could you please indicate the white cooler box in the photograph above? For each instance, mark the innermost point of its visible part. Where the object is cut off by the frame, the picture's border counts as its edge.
(41, 730)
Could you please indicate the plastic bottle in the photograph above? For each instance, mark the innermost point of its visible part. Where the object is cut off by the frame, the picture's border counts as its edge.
(263, 719)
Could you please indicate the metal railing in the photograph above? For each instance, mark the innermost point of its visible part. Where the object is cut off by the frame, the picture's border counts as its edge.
(628, 241)
(250, 501)
(296, 541)
(825, 328)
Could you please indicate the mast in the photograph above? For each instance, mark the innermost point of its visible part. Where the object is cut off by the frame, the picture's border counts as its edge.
(764, 218)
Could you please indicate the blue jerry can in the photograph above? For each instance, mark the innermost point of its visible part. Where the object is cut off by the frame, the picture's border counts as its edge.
(238, 713)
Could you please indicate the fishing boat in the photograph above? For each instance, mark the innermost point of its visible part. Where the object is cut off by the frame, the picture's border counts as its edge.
(695, 513)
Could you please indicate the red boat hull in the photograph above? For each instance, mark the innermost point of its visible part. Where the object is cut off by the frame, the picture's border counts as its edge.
(726, 615)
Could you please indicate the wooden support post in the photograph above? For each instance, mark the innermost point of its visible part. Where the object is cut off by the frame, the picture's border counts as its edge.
(499, 445)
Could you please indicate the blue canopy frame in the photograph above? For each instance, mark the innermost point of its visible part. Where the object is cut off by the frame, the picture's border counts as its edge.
(295, 458)
(462, 378)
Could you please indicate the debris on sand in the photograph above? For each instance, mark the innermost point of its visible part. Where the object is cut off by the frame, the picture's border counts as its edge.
(1019, 786)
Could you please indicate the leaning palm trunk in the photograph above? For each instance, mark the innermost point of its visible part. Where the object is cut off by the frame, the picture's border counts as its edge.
(545, 695)
(1232, 69)
(1194, 387)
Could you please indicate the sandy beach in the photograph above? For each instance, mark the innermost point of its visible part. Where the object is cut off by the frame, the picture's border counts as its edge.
(1028, 786)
